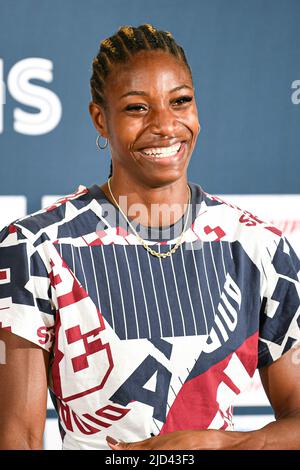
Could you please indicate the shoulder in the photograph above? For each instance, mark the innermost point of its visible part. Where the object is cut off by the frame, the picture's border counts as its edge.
(47, 220)
(218, 219)
(237, 220)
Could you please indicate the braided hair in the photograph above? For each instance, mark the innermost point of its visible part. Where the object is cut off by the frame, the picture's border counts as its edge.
(120, 47)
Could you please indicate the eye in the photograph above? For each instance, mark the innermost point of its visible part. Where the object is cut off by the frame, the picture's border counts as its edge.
(182, 100)
(136, 107)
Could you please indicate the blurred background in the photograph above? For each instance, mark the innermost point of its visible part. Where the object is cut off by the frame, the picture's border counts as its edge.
(244, 55)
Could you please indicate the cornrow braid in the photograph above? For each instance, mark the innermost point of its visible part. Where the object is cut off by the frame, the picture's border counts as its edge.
(120, 47)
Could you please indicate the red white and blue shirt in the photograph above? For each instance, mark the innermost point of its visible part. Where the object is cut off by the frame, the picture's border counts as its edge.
(139, 345)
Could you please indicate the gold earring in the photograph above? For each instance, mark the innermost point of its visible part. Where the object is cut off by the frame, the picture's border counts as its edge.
(99, 147)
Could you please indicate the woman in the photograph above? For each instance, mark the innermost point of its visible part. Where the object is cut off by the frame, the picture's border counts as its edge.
(146, 328)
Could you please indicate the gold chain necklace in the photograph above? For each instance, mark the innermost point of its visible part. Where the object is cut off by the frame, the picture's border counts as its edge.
(145, 245)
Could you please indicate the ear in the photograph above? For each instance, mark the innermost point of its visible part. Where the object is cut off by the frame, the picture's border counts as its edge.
(98, 117)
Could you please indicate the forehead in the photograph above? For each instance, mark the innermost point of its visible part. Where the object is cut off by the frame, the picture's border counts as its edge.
(149, 69)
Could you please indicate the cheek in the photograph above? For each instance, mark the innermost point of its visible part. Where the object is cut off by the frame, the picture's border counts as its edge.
(195, 116)
(193, 124)
(116, 133)
(124, 132)
(190, 120)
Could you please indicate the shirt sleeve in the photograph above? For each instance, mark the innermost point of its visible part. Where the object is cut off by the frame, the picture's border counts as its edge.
(279, 328)
(25, 291)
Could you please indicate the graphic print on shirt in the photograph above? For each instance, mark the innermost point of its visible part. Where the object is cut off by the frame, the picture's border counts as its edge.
(141, 345)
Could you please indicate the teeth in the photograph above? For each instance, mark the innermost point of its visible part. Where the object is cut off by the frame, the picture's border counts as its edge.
(162, 152)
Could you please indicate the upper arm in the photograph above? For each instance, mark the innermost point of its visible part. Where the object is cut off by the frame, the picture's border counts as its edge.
(281, 381)
(23, 392)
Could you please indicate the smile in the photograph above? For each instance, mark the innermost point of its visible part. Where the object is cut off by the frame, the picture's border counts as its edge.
(162, 152)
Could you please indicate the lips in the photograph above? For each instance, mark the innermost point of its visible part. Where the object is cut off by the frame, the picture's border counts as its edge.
(164, 155)
(162, 152)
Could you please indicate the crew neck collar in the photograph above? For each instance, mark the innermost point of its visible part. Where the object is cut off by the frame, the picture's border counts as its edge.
(158, 234)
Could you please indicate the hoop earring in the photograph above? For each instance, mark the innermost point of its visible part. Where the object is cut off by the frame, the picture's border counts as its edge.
(99, 147)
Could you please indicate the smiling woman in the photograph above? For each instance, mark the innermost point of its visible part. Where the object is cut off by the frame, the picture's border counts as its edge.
(150, 119)
(145, 303)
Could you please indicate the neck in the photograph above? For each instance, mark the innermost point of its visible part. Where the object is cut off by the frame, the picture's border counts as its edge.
(150, 206)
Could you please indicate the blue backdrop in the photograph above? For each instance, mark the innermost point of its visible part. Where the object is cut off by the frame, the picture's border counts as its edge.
(246, 65)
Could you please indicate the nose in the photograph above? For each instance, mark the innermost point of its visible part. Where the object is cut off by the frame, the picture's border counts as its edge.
(163, 122)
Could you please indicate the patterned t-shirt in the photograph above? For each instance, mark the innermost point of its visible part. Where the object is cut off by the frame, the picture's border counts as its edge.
(141, 345)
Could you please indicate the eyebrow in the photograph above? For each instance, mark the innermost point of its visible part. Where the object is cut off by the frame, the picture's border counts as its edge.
(143, 93)
(180, 88)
